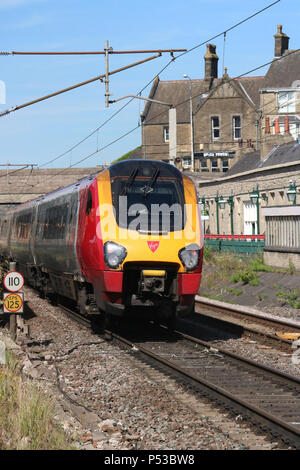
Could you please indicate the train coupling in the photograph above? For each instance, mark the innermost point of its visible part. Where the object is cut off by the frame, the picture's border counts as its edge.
(153, 280)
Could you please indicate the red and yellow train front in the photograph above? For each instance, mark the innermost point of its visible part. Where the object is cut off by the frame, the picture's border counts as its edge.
(143, 243)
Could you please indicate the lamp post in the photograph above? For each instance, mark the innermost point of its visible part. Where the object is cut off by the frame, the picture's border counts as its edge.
(222, 202)
(292, 192)
(254, 196)
(203, 202)
(191, 121)
(231, 204)
(217, 211)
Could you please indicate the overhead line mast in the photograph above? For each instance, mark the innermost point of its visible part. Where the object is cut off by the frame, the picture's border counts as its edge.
(103, 78)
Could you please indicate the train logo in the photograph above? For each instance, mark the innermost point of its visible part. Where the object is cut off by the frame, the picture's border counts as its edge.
(153, 245)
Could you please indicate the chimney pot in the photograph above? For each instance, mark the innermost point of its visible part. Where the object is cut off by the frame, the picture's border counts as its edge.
(281, 42)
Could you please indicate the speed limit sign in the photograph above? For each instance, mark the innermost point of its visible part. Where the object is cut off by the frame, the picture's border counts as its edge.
(13, 281)
(13, 303)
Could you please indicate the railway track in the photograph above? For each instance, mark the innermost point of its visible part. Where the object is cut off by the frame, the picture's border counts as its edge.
(266, 397)
(246, 321)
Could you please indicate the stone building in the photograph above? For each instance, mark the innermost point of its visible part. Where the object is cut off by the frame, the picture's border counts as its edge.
(224, 118)
(280, 96)
(230, 116)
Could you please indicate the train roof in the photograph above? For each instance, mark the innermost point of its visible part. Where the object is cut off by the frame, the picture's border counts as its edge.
(145, 168)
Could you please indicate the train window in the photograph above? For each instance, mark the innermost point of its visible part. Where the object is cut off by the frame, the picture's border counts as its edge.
(89, 203)
(23, 226)
(55, 222)
(3, 228)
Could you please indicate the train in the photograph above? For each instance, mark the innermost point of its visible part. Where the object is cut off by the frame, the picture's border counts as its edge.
(128, 236)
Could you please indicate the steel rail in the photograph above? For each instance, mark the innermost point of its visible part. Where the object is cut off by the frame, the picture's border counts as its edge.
(246, 313)
(292, 431)
(263, 418)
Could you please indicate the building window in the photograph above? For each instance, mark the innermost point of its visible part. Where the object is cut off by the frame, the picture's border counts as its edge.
(166, 134)
(236, 127)
(215, 128)
(214, 165)
(186, 162)
(286, 102)
(203, 165)
(224, 166)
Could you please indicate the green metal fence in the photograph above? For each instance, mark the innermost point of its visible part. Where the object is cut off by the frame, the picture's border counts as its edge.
(236, 244)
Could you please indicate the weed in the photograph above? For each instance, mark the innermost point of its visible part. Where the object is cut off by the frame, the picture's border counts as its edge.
(257, 264)
(208, 253)
(290, 297)
(254, 282)
(233, 291)
(262, 296)
(246, 277)
(292, 268)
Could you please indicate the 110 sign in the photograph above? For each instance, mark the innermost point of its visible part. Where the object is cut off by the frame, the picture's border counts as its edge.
(13, 281)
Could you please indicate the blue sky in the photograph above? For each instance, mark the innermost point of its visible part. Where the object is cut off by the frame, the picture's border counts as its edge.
(40, 132)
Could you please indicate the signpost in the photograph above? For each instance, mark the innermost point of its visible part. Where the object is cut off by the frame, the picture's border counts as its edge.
(13, 300)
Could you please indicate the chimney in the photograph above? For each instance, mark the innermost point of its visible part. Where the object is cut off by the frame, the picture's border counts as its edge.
(211, 62)
(286, 125)
(281, 42)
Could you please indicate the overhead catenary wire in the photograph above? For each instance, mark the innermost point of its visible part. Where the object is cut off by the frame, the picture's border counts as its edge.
(157, 115)
(178, 104)
(161, 71)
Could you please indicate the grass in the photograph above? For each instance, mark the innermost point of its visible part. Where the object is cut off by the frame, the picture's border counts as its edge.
(27, 413)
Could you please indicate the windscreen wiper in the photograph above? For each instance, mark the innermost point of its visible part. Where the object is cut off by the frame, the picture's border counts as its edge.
(149, 187)
(130, 181)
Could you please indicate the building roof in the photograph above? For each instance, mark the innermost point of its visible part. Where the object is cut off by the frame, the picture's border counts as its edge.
(279, 155)
(247, 162)
(284, 70)
(178, 91)
(173, 92)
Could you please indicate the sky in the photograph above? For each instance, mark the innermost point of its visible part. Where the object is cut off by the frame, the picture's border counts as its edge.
(41, 132)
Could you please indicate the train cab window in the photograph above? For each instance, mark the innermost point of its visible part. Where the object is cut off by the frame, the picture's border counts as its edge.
(89, 204)
(158, 202)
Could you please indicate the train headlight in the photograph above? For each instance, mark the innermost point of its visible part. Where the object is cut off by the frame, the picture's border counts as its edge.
(114, 254)
(190, 256)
